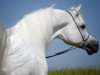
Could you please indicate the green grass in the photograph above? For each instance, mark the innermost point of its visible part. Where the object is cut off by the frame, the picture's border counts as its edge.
(76, 71)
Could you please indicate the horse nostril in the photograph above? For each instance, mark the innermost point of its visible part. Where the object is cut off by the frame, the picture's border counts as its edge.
(88, 46)
(96, 46)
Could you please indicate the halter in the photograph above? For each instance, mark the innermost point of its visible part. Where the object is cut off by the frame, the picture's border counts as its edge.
(84, 40)
(73, 47)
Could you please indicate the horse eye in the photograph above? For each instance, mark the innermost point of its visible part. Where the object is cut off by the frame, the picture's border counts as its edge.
(77, 15)
(83, 26)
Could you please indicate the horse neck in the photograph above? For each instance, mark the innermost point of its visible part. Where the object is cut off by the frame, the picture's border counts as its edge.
(60, 20)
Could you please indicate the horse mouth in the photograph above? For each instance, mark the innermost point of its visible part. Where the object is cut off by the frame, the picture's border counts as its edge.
(92, 47)
(89, 51)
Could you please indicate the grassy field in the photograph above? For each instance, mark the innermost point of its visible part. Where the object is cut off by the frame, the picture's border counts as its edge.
(77, 71)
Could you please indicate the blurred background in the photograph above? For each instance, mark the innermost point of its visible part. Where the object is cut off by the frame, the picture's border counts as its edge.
(11, 11)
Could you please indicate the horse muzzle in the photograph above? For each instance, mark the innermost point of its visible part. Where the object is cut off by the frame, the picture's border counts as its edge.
(92, 46)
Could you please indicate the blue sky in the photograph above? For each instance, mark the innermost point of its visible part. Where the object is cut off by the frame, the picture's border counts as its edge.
(11, 11)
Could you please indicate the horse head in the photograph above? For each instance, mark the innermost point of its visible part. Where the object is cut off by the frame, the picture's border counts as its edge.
(74, 31)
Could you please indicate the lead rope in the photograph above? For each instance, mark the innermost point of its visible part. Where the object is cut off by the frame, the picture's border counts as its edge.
(62, 52)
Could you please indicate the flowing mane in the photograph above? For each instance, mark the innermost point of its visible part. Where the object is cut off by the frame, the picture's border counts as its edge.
(33, 27)
(30, 32)
(34, 23)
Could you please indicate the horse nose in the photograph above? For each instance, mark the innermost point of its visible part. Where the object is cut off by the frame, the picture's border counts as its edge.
(93, 45)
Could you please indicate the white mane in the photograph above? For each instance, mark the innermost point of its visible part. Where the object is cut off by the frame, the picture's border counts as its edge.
(36, 22)
(30, 32)
(34, 26)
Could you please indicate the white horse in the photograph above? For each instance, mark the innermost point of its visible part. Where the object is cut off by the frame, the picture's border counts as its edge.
(24, 52)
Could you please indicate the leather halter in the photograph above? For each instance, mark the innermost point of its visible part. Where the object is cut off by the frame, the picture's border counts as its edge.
(73, 47)
(84, 40)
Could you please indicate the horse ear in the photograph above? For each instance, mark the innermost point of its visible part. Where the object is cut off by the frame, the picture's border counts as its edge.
(52, 6)
(72, 8)
(79, 7)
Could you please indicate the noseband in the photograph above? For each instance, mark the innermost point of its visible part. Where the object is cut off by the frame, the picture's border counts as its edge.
(84, 41)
